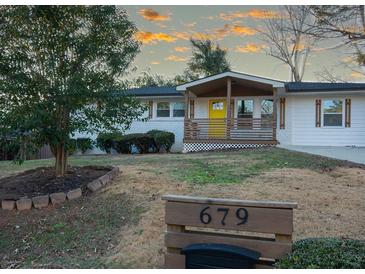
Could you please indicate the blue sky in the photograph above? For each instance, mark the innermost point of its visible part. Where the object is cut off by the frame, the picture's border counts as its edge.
(165, 33)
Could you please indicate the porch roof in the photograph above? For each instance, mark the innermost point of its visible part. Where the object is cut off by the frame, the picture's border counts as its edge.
(247, 79)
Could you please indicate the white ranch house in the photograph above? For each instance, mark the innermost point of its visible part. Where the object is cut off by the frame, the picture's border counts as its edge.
(236, 110)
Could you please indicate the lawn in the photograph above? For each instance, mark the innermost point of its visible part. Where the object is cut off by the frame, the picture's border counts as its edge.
(123, 224)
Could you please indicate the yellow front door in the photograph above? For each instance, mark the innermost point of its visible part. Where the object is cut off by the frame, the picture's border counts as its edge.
(217, 114)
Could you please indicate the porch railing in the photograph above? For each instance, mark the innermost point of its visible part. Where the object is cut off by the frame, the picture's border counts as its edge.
(255, 129)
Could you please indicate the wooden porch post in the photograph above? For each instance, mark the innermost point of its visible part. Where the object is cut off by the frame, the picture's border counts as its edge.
(186, 117)
(274, 114)
(228, 104)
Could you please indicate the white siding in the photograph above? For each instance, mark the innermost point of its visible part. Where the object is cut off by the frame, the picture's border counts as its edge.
(300, 123)
(175, 125)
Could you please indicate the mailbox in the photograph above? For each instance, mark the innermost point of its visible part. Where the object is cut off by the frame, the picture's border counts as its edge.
(219, 256)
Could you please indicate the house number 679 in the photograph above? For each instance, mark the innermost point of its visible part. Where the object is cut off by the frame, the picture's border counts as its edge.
(241, 215)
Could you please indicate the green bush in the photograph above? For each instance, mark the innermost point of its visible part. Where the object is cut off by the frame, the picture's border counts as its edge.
(106, 141)
(162, 139)
(143, 142)
(325, 253)
(84, 144)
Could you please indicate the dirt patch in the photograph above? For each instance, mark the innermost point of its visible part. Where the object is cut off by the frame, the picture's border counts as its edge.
(41, 181)
(330, 204)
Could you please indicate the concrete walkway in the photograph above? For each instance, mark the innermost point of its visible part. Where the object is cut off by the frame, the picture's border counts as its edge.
(353, 154)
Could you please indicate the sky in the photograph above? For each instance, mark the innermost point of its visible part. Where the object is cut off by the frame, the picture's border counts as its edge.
(165, 32)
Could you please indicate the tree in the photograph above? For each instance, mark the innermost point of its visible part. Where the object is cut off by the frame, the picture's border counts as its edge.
(148, 79)
(346, 23)
(288, 38)
(208, 59)
(59, 72)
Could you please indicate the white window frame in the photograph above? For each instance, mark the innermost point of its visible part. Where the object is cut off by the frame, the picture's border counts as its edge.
(243, 99)
(343, 112)
(171, 111)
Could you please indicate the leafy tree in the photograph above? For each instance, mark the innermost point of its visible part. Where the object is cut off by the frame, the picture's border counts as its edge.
(208, 59)
(59, 71)
(148, 79)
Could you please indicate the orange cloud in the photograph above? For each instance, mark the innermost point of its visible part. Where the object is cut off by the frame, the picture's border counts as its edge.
(155, 63)
(181, 49)
(182, 35)
(175, 58)
(250, 48)
(242, 30)
(254, 13)
(152, 15)
(147, 37)
(356, 74)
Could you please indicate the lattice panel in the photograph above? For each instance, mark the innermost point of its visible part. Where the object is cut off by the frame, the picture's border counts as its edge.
(194, 147)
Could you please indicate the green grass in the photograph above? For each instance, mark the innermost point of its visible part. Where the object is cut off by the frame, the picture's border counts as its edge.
(200, 168)
(77, 235)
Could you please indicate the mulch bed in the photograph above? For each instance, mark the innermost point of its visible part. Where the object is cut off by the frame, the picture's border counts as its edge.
(42, 181)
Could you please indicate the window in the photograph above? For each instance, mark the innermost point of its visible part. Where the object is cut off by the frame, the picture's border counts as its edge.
(267, 107)
(178, 110)
(218, 106)
(245, 109)
(163, 109)
(332, 113)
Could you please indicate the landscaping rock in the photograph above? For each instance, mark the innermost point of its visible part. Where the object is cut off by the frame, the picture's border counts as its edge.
(24, 204)
(105, 179)
(115, 171)
(40, 201)
(74, 194)
(94, 185)
(57, 198)
(8, 204)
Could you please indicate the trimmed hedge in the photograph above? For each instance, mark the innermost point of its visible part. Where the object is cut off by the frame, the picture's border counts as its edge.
(143, 142)
(162, 139)
(325, 253)
(106, 141)
(152, 141)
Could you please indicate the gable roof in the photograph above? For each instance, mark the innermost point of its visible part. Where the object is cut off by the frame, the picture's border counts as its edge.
(233, 74)
(318, 86)
(154, 91)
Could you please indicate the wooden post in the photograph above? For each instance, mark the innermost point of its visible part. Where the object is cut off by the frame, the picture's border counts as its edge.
(228, 104)
(274, 114)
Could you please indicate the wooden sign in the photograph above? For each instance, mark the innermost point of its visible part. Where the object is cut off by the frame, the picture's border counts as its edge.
(202, 220)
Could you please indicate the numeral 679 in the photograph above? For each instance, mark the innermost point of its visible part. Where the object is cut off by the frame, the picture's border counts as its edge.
(241, 215)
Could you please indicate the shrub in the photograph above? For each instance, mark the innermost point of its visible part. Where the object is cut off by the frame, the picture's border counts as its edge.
(162, 139)
(325, 253)
(84, 144)
(106, 141)
(142, 141)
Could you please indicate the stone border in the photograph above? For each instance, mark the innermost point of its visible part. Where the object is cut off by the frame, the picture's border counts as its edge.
(58, 198)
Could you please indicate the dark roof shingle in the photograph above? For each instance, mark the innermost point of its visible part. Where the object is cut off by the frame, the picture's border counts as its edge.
(318, 86)
(154, 91)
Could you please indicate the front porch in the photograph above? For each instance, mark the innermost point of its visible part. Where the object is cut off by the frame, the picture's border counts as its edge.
(230, 112)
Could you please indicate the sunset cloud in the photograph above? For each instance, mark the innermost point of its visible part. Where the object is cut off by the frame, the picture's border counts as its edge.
(181, 49)
(254, 13)
(175, 58)
(242, 30)
(357, 75)
(152, 15)
(155, 63)
(250, 48)
(190, 25)
(147, 37)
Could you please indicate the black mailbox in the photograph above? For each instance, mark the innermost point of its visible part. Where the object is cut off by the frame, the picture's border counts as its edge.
(219, 256)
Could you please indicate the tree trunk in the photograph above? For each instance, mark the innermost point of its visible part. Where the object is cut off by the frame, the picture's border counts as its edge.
(60, 154)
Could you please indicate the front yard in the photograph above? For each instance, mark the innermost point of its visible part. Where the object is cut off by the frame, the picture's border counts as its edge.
(123, 224)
